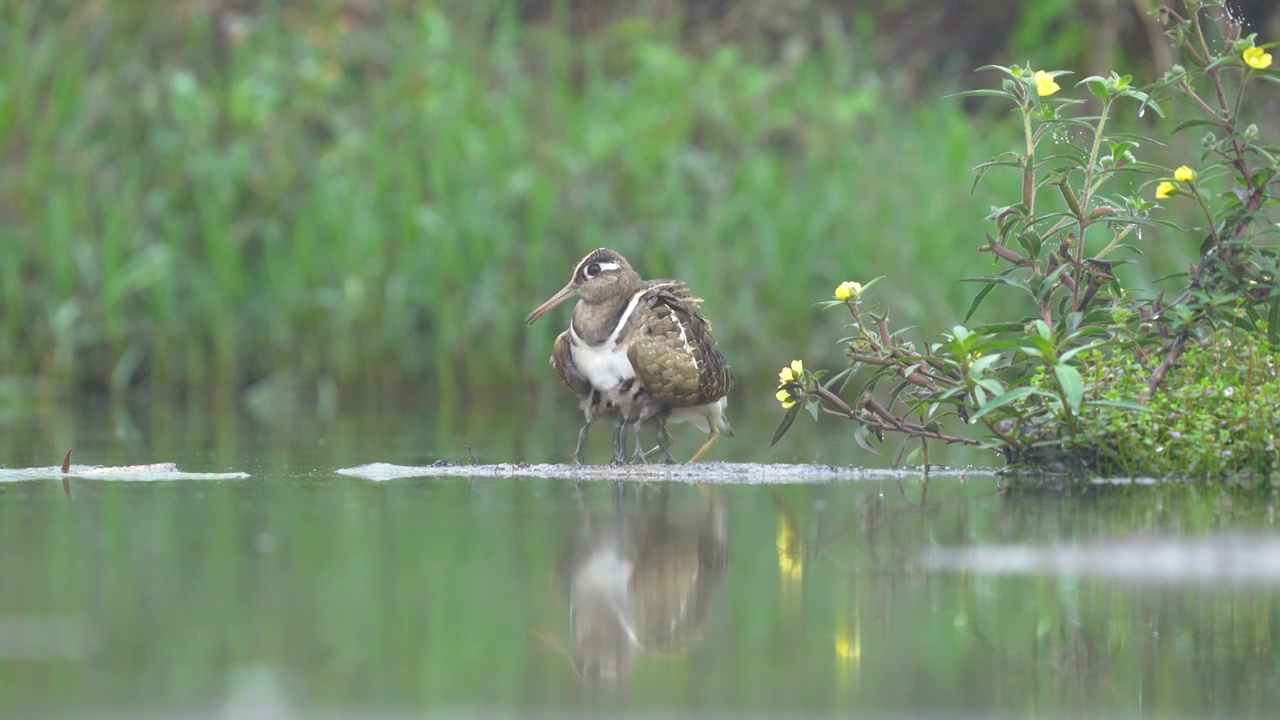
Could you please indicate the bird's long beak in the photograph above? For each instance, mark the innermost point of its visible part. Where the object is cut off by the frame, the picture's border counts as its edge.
(545, 307)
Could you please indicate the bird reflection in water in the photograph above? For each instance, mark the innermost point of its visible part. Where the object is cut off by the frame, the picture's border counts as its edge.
(638, 579)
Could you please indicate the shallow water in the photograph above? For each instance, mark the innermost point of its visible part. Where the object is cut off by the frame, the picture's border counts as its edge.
(301, 592)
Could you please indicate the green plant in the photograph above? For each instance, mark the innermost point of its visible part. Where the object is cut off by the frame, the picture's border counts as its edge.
(296, 199)
(1083, 204)
(1211, 417)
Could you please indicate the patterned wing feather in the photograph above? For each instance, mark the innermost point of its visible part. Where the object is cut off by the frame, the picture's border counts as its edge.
(673, 351)
(562, 361)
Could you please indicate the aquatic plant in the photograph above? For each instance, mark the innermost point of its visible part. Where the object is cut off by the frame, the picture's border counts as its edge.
(1042, 385)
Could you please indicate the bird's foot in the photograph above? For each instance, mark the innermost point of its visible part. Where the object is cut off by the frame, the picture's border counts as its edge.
(640, 457)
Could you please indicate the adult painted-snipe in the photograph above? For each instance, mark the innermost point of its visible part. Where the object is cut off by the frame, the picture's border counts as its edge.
(637, 350)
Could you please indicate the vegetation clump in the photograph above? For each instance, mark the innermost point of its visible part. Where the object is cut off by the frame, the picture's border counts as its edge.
(1097, 377)
(1213, 417)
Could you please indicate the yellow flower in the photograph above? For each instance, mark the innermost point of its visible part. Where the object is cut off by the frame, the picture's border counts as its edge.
(1045, 84)
(784, 397)
(1256, 58)
(1165, 189)
(1184, 174)
(791, 373)
(848, 289)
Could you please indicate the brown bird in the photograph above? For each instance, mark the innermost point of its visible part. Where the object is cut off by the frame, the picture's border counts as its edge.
(594, 403)
(645, 348)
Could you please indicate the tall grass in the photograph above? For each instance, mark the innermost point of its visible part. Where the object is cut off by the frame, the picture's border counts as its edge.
(377, 206)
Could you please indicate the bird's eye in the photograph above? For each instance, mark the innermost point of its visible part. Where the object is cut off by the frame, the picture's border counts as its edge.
(592, 270)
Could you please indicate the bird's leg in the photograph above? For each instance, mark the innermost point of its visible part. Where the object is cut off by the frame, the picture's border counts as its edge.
(664, 441)
(649, 453)
(711, 439)
(582, 439)
(640, 455)
(619, 443)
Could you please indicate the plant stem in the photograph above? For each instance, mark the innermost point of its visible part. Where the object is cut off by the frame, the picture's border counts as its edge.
(1028, 170)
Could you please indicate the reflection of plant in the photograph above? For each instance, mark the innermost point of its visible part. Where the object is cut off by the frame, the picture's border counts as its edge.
(1036, 383)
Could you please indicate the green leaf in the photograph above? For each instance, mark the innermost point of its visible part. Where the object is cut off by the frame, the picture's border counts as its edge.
(999, 327)
(1146, 102)
(1073, 321)
(1098, 87)
(1122, 404)
(1031, 242)
(1075, 351)
(845, 375)
(977, 300)
(913, 457)
(1072, 385)
(980, 365)
(980, 92)
(862, 436)
(1195, 122)
(1002, 400)
(991, 385)
(785, 425)
(979, 394)
(1000, 68)
(980, 171)
(893, 396)
(1224, 60)
(1000, 280)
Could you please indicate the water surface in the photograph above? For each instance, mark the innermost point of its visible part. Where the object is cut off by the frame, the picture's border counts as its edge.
(300, 592)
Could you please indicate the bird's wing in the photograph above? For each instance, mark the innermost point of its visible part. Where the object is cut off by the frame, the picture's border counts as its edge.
(673, 352)
(562, 361)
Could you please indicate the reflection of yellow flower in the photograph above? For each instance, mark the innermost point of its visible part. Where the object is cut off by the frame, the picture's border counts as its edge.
(1256, 58)
(1165, 189)
(791, 567)
(847, 648)
(791, 373)
(1045, 84)
(1184, 174)
(788, 546)
(848, 289)
(784, 397)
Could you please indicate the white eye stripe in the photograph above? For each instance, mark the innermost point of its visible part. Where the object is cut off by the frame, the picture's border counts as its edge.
(599, 267)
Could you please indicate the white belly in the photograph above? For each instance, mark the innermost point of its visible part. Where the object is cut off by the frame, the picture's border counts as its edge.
(604, 365)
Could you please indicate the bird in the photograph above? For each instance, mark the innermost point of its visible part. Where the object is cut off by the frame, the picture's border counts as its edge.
(645, 347)
(594, 403)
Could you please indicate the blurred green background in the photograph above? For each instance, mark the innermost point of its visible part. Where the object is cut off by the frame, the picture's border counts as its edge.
(227, 199)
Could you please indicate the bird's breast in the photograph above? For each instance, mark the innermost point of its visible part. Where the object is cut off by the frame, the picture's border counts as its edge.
(605, 365)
